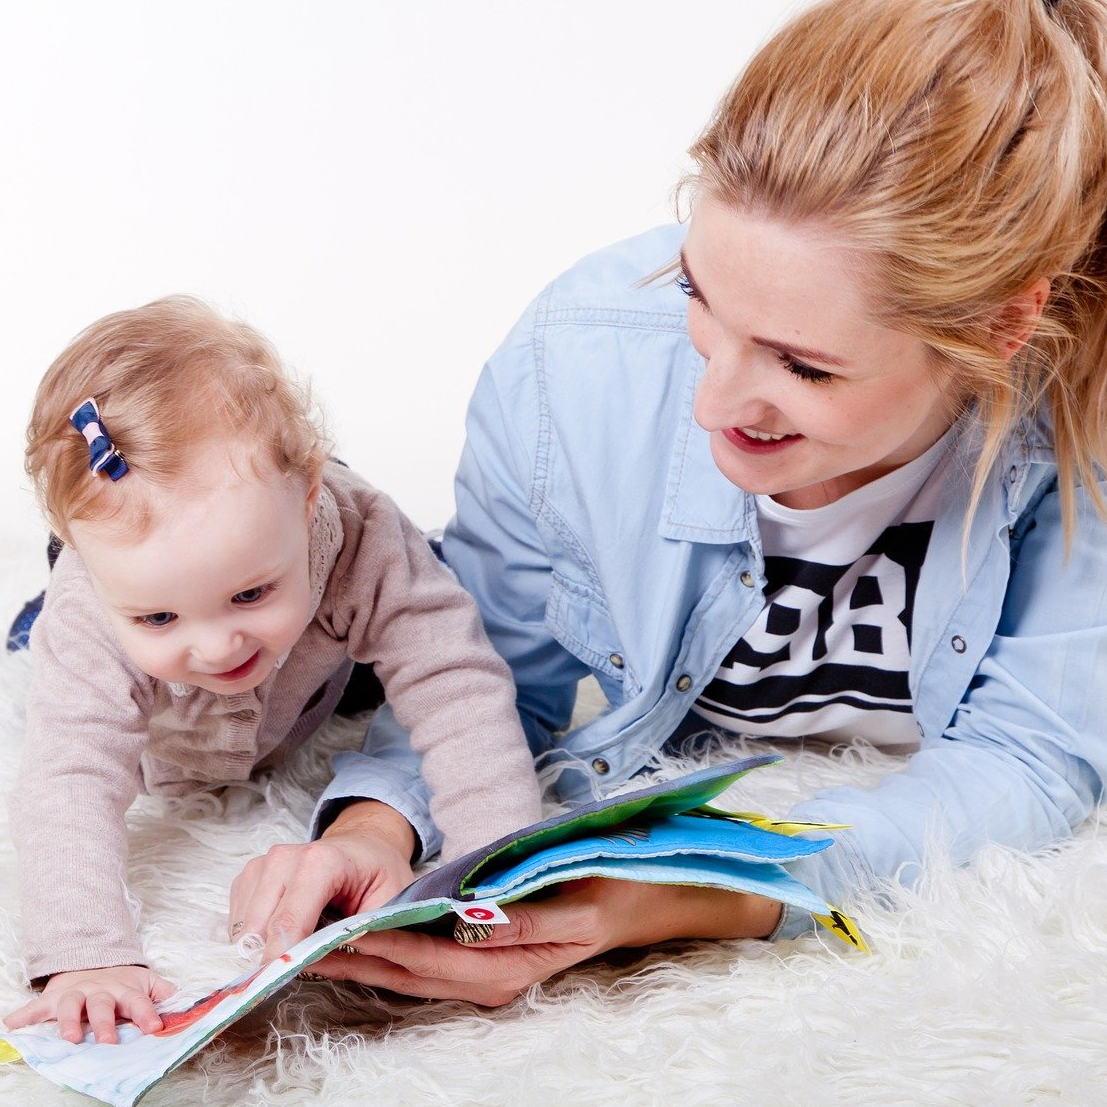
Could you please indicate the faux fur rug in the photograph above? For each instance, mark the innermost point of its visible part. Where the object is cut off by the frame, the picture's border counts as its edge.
(986, 986)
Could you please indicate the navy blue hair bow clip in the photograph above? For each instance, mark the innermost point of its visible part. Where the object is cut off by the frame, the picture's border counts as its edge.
(103, 457)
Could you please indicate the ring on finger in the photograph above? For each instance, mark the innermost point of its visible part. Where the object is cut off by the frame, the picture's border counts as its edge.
(236, 928)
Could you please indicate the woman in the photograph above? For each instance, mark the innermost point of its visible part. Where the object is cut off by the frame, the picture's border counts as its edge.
(851, 485)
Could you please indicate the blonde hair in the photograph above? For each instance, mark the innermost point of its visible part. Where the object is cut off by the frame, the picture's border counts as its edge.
(167, 378)
(961, 146)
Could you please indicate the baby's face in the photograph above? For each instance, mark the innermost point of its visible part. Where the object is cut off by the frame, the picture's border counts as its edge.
(218, 591)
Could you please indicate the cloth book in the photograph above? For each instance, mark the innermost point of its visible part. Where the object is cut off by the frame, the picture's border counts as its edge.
(667, 833)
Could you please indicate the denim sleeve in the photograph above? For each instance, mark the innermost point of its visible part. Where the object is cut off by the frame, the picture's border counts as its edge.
(495, 545)
(1023, 759)
(386, 769)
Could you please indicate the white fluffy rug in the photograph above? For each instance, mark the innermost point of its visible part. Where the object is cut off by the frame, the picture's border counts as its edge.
(986, 986)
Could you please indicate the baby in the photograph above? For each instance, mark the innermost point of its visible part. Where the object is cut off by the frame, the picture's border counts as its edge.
(219, 579)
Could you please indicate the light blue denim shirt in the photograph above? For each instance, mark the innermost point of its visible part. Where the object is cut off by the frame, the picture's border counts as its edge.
(598, 536)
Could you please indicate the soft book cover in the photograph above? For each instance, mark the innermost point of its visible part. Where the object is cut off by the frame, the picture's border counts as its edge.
(664, 834)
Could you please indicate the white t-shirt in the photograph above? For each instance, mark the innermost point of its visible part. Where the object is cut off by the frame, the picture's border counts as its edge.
(829, 654)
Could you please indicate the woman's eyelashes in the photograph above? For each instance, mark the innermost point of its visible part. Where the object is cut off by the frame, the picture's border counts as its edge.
(804, 371)
(799, 369)
(684, 283)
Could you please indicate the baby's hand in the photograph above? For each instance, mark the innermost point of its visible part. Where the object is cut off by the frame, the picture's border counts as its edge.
(100, 996)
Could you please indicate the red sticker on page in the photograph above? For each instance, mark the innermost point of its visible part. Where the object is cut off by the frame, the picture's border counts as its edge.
(484, 911)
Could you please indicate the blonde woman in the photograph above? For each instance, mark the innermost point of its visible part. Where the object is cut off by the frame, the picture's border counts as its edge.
(834, 470)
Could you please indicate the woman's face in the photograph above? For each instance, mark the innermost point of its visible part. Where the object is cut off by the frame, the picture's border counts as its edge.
(805, 397)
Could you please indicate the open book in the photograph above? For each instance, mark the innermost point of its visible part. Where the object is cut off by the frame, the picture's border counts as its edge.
(665, 834)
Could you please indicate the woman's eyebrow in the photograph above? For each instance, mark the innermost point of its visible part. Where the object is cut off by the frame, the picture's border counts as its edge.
(799, 352)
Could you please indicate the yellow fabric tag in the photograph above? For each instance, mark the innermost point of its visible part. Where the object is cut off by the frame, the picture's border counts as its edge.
(780, 826)
(844, 927)
(9, 1053)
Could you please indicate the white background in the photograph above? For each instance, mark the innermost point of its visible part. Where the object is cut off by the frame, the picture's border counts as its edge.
(379, 187)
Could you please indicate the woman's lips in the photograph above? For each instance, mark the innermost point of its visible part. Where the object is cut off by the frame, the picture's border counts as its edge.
(243, 670)
(737, 437)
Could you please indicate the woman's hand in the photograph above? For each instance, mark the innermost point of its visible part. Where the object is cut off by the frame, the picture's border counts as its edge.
(586, 918)
(362, 860)
(101, 996)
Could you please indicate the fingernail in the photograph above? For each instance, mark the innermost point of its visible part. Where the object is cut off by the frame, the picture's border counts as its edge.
(249, 945)
(347, 948)
(313, 977)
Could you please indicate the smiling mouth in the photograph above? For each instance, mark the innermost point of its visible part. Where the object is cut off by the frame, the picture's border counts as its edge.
(243, 670)
(763, 436)
(757, 441)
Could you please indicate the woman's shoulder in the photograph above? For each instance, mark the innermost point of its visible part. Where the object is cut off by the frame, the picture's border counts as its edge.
(631, 278)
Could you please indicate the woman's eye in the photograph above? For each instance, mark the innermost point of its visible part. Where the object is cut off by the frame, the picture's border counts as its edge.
(685, 285)
(157, 619)
(251, 595)
(805, 372)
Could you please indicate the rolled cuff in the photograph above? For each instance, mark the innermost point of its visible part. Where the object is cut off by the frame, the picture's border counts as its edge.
(358, 777)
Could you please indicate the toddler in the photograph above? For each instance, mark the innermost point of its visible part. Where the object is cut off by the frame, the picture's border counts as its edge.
(219, 579)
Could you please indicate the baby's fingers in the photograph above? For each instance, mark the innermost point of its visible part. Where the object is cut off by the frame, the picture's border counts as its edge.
(140, 1010)
(38, 1010)
(100, 1008)
(70, 1011)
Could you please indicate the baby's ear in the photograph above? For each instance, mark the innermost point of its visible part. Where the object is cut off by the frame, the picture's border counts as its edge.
(312, 500)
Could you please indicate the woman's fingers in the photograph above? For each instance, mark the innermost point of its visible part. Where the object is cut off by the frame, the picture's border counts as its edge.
(256, 891)
(377, 972)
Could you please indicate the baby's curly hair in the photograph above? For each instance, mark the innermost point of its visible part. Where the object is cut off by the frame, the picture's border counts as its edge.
(167, 377)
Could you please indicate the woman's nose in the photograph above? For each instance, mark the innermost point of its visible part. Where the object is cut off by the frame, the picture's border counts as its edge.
(728, 394)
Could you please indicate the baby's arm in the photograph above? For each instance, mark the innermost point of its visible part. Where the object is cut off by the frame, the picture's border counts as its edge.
(399, 608)
(86, 729)
(99, 995)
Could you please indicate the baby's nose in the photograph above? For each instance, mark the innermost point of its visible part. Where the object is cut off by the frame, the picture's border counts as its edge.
(218, 649)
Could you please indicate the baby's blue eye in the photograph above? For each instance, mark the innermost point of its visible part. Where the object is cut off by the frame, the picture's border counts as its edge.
(158, 619)
(251, 595)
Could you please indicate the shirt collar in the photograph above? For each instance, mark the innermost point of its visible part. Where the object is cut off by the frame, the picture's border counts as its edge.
(701, 505)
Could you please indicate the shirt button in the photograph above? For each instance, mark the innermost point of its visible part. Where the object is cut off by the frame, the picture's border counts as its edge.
(958, 643)
(601, 766)
(747, 579)
(616, 659)
(684, 683)
(1012, 474)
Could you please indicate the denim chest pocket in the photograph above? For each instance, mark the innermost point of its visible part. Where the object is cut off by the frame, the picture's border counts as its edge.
(579, 619)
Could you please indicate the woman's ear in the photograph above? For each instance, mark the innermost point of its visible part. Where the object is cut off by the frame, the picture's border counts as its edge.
(1018, 318)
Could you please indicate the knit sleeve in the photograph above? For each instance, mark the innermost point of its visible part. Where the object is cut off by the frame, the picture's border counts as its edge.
(401, 610)
(86, 729)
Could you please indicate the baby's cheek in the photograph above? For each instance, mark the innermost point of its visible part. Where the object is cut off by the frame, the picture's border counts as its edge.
(152, 658)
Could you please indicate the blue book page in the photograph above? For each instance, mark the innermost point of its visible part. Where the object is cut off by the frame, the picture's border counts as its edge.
(762, 879)
(679, 836)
